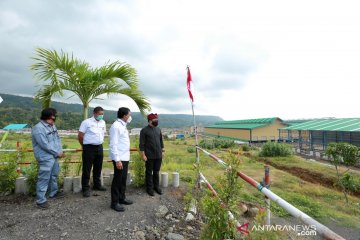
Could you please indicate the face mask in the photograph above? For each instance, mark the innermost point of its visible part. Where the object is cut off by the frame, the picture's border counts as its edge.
(99, 117)
(155, 123)
(129, 120)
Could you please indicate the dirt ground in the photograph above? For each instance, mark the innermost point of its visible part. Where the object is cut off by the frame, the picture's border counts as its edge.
(75, 217)
(308, 175)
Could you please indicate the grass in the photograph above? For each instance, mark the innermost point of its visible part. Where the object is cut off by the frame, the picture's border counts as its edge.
(315, 200)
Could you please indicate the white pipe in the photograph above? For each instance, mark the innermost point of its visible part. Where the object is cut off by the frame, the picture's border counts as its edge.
(322, 229)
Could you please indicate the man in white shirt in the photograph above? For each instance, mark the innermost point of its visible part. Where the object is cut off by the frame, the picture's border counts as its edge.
(91, 137)
(120, 156)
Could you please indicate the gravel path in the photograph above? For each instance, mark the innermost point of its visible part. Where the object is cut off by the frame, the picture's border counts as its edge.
(75, 217)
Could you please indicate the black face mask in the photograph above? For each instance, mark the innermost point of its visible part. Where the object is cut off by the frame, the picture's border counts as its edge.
(155, 123)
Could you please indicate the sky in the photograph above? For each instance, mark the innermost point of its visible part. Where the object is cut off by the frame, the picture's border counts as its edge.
(248, 59)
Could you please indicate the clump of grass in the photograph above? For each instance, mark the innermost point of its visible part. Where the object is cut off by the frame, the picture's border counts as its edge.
(273, 149)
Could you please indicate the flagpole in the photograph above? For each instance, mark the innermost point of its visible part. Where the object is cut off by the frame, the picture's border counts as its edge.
(197, 161)
(195, 132)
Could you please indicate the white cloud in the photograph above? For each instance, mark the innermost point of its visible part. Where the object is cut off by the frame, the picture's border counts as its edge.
(248, 58)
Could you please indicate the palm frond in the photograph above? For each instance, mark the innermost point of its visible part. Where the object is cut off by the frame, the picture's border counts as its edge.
(64, 72)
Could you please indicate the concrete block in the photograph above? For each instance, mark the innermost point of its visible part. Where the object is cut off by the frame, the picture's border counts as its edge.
(77, 184)
(102, 178)
(111, 177)
(175, 182)
(317, 154)
(311, 153)
(298, 150)
(106, 181)
(128, 179)
(26, 187)
(20, 185)
(164, 179)
(68, 184)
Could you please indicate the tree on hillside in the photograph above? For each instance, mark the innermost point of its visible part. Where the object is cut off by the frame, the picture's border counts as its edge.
(62, 72)
(347, 154)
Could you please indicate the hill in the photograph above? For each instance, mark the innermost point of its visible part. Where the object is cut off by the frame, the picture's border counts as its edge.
(17, 109)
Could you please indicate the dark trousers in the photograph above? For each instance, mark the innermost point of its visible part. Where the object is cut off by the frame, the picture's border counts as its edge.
(152, 173)
(118, 185)
(91, 155)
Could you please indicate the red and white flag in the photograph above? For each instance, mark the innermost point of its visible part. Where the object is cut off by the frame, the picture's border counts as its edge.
(190, 85)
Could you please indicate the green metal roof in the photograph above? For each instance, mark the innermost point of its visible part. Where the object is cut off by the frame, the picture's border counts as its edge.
(334, 124)
(244, 124)
(237, 126)
(16, 126)
(226, 137)
(249, 121)
(296, 121)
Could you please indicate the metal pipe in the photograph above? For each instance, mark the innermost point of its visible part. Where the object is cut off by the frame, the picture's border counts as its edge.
(212, 156)
(322, 229)
(267, 200)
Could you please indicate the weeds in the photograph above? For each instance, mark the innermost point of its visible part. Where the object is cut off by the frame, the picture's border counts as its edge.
(216, 210)
(273, 149)
(8, 172)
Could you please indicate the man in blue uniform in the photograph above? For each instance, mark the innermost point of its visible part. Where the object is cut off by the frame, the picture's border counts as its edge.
(47, 149)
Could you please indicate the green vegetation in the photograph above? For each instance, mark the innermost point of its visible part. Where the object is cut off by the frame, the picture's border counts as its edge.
(8, 172)
(16, 109)
(347, 154)
(273, 149)
(216, 143)
(138, 167)
(216, 209)
(31, 174)
(322, 203)
(62, 73)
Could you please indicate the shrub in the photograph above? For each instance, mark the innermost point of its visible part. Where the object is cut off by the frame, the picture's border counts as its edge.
(216, 143)
(273, 149)
(8, 172)
(65, 168)
(31, 174)
(139, 169)
(223, 143)
(245, 147)
(216, 212)
(350, 182)
(206, 143)
(190, 149)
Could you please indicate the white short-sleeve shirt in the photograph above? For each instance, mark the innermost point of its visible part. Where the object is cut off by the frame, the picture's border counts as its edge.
(119, 141)
(94, 131)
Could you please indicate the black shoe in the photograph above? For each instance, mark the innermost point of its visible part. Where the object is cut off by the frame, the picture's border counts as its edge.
(158, 190)
(150, 192)
(58, 195)
(100, 188)
(126, 202)
(86, 193)
(43, 205)
(118, 207)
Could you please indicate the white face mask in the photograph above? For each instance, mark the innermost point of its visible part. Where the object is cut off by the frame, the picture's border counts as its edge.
(129, 120)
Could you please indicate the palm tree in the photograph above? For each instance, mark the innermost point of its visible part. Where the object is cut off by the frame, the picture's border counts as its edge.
(66, 73)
